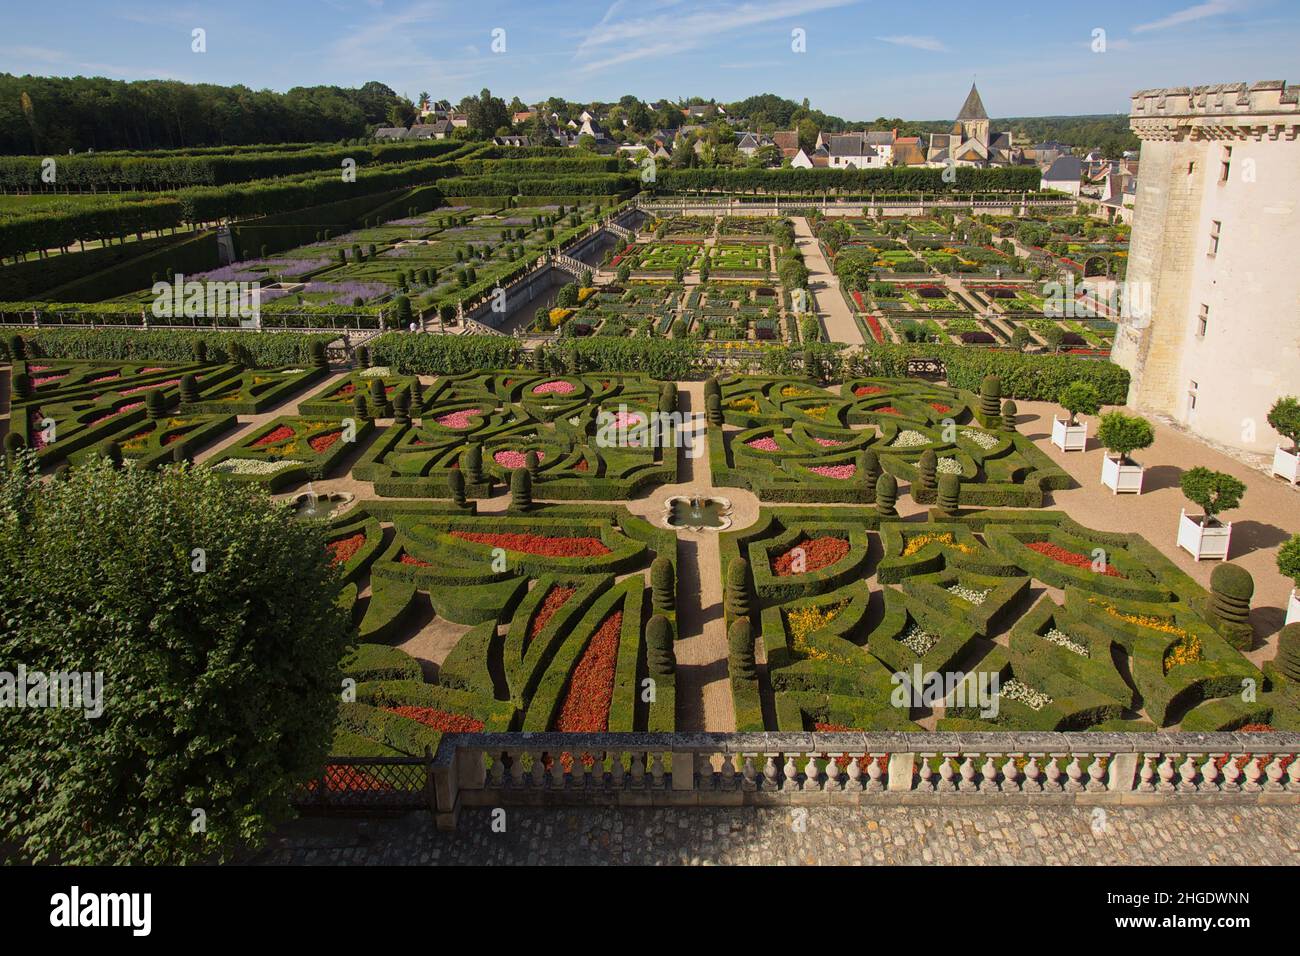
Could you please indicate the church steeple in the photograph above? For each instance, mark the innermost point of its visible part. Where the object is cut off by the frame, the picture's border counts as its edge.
(973, 108)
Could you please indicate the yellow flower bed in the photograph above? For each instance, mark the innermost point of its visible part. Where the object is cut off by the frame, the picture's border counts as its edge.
(807, 620)
(748, 404)
(1187, 650)
(559, 315)
(585, 294)
(946, 539)
(794, 391)
(817, 413)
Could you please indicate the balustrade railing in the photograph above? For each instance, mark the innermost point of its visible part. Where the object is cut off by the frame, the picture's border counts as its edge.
(701, 769)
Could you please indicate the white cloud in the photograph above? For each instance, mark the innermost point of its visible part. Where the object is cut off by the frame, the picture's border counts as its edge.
(664, 32)
(1212, 8)
(932, 44)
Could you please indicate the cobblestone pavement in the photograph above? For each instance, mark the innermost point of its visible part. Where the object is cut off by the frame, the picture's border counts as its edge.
(1078, 836)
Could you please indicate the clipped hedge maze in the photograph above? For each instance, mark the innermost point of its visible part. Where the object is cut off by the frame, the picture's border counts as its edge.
(485, 424)
(1084, 630)
(549, 615)
(789, 441)
(68, 410)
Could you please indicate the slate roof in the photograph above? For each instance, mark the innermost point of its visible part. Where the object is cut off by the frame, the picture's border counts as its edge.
(973, 108)
(1065, 169)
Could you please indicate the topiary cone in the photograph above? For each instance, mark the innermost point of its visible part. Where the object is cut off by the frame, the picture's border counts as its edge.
(362, 356)
(155, 405)
(713, 410)
(886, 495)
(473, 463)
(180, 452)
(990, 397)
(871, 467)
(740, 641)
(402, 408)
(736, 596)
(659, 645)
(189, 389)
(949, 494)
(532, 463)
(379, 399)
(113, 452)
(1009, 412)
(319, 358)
(359, 410)
(662, 584)
(17, 348)
(923, 489)
(1288, 652)
(200, 352)
(456, 481)
(712, 387)
(521, 490)
(417, 395)
(1231, 588)
(22, 386)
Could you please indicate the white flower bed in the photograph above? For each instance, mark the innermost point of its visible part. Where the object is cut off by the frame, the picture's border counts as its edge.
(948, 466)
(983, 439)
(919, 641)
(379, 371)
(908, 438)
(575, 421)
(293, 371)
(253, 466)
(1061, 639)
(970, 594)
(1034, 700)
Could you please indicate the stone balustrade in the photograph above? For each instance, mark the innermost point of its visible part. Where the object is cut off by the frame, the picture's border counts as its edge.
(926, 769)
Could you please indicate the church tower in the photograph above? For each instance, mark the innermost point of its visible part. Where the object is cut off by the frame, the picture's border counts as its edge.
(973, 119)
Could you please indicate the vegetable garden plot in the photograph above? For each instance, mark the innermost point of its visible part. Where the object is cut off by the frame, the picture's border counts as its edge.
(557, 637)
(1130, 650)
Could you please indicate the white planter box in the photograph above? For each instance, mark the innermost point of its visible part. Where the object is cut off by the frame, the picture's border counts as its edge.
(1121, 478)
(1069, 437)
(1199, 542)
(1293, 608)
(1286, 464)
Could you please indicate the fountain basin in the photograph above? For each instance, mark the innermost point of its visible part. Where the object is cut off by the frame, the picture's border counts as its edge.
(313, 507)
(697, 513)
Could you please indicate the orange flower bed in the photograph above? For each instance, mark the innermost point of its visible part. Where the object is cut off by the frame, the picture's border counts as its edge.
(322, 443)
(409, 559)
(591, 688)
(274, 437)
(439, 720)
(555, 599)
(344, 548)
(537, 544)
(817, 554)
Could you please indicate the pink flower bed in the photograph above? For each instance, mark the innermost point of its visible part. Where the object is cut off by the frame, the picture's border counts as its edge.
(515, 459)
(554, 388)
(763, 444)
(627, 420)
(459, 419)
(145, 388)
(106, 378)
(121, 411)
(46, 379)
(828, 442)
(145, 371)
(37, 368)
(839, 472)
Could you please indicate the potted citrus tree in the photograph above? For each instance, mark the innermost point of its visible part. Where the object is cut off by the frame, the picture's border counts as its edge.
(1077, 398)
(1122, 435)
(1288, 562)
(1204, 535)
(1284, 417)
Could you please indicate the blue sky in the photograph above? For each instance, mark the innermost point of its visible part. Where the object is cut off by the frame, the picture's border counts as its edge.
(862, 58)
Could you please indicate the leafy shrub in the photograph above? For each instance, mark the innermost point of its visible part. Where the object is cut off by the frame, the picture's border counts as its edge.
(1079, 398)
(1124, 434)
(201, 696)
(1214, 491)
(1284, 418)
(1288, 559)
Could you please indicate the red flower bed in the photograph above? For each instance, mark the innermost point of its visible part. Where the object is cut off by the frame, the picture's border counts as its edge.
(339, 778)
(862, 390)
(877, 332)
(1064, 556)
(537, 544)
(555, 599)
(121, 411)
(175, 437)
(439, 720)
(273, 437)
(582, 465)
(886, 410)
(940, 407)
(591, 688)
(857, 297)
(817, 554)
(321, 443)
(347, 391)
(410, 559)
(344, 548)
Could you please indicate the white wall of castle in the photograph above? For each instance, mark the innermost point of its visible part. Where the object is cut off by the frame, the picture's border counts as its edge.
(1249, 354)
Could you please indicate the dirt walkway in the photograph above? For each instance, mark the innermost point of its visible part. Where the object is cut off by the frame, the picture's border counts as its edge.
(825, 287)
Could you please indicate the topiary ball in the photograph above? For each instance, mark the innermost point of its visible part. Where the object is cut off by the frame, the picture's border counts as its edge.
(1232, 581)
(1288, 652)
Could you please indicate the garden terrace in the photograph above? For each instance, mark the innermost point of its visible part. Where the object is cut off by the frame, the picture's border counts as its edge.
(73, 406)
(720, 310)
(291, 450)
(787, 440)
(632, 309)
(659, 255)
(591, 433)
(550, 636)
(1121, 641)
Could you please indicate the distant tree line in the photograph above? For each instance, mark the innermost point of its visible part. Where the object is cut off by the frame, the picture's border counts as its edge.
(51, 115)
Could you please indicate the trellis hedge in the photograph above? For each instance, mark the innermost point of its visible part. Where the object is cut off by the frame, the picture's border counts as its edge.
(899, 178)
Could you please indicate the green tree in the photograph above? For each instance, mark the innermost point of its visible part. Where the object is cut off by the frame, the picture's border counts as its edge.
(220, 665)
(1214, 491)
(1080, 398)
(1284, 418)
(1124, 434)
